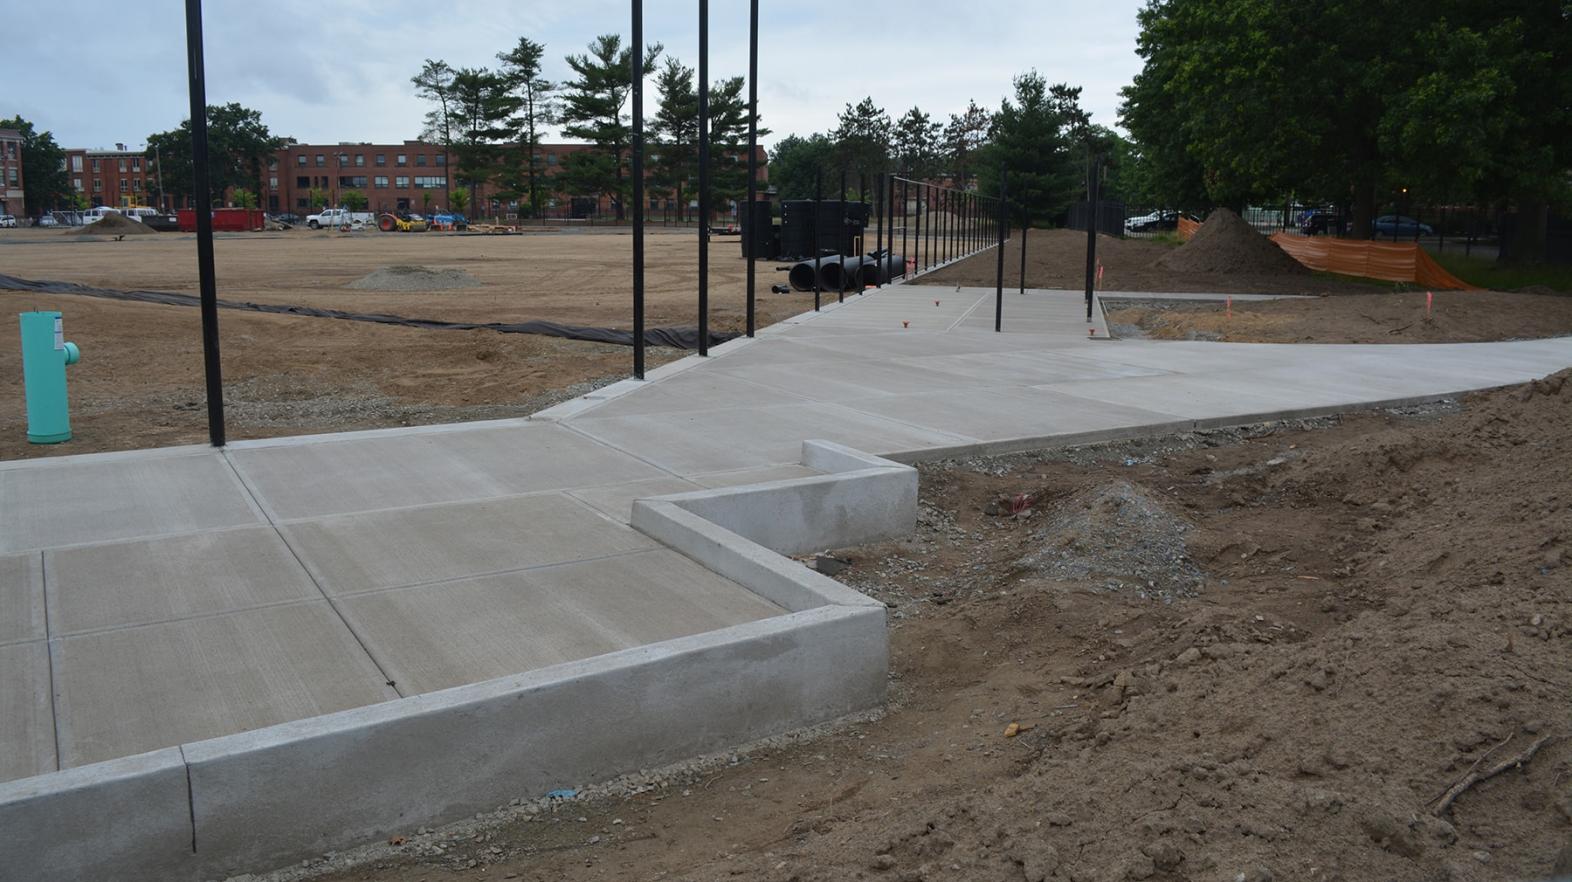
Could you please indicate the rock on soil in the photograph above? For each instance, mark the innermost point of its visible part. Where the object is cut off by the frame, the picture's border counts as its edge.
(1226, 244)
(1120, 535)
(113, 225)
(414, 278)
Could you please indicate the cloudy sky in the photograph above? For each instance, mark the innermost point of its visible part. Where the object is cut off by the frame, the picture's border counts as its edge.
(323, 71)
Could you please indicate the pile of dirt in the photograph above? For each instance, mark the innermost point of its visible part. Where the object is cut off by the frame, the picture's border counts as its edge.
(1120, 536)
(113, 225)
(414, 278)
(1226, 244)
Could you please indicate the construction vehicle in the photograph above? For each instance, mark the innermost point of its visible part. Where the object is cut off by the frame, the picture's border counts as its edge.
(392, 223)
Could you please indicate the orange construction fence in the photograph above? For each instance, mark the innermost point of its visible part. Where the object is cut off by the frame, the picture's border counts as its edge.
(1389, 261)
(1187, 228)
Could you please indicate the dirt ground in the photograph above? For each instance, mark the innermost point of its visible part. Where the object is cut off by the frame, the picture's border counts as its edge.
(139, 383)
(1391, 317)
(1057, 259)
(1334, 650)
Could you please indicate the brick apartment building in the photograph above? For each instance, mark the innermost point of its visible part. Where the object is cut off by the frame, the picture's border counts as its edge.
(11, 172)
(120, 177)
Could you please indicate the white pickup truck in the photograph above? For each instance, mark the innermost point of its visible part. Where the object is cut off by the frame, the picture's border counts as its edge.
(333, 218)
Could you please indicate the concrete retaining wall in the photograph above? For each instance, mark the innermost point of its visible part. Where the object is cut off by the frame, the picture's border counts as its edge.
(258, 800)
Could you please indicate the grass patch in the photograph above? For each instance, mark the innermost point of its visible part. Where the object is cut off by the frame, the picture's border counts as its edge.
(1487, 273)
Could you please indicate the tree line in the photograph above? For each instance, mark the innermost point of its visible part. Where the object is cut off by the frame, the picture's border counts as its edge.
(493, 121)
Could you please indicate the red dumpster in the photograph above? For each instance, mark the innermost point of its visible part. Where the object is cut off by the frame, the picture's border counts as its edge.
(226, 220)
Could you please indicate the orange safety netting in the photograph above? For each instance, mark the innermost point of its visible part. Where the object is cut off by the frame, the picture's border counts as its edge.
(1187, 228)
(1389, 261)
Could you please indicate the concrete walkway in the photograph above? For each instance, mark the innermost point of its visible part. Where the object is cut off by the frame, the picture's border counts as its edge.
(154, 598)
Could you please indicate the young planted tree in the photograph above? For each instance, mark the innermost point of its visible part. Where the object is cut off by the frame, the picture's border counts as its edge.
(243, 198)
(354, 200)
(964, 136)
(45, 181)
(435, 84)
(675, 132)
(483, 108)
(916, 144)
(317, 198)
(862, 139)
(592, 111)
(524, 169)
(459, 201)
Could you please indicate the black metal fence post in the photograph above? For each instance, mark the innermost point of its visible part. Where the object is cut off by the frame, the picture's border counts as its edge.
(878, 277)
(1025, 228)
(753, 151)
(998, 293)
(201, 189)
(704, 174)
(818, 209)
(917, 232)
(840, 232)
(1092, 185)
(637, 74)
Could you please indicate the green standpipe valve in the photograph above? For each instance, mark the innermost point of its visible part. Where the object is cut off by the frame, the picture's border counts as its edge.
(45, 354)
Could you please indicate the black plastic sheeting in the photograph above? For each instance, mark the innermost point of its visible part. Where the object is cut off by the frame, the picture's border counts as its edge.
(677, 338)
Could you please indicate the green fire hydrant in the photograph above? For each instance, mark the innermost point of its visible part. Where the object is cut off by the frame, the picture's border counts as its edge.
(45, 354)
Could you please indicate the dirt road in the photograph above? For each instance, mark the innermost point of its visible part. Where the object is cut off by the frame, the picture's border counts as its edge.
(1328, 651)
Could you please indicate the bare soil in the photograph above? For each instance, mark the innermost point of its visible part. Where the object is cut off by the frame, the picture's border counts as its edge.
(139, 383)
(1393, 317)
(1057, 259)
(1366, 678)
(1226, 244)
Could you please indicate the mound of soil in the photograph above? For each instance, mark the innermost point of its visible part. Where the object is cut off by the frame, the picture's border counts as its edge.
(113, 225)
(1226, 244)
(414, 278)
(1120, 536)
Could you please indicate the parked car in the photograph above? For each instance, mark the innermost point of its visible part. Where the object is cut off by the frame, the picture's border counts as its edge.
(1401, 225)
(1157, 220)
(7, 220)
(47, 220)
(1322, 223)
(339, 217)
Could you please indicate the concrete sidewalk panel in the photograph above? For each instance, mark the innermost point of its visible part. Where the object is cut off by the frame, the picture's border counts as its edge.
(388, 549)
(22, 597)
(45, 504)
(723, 440)
(93, 587)
(135, 689)
(1029, 368)
(266, 798)
(996, 414)
(339, 477)
(126, 819)
(616, 500)
(27, 720)
(691, 392)
(434, 637)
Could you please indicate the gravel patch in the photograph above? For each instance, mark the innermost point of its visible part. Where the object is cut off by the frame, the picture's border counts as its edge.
(415, 279)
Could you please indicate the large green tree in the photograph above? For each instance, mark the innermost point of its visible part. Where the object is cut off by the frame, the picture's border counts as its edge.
(524, 166)
(1039, 139)
(796, 161)
(435, 84)
(964, 135)
(1351, 102)
(483, 108)
(592, 105)
(45, 183)
(674, 133)
(862, 139)
(729, 140)
(238, 146)
(915, 142)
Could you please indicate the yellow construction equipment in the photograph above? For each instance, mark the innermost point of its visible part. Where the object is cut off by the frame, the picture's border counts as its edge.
(392, 223)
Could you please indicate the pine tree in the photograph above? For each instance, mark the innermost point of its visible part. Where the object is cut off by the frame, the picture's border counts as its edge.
(435, 83)
(916, 144)
(482, 109)
(965, 134)
(522, 69)
(675, 132)
(592, 111)
(862, 139)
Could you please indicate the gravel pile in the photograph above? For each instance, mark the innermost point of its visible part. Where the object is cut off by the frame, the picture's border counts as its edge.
(414, 278)
(1226, 244)
(113, 225)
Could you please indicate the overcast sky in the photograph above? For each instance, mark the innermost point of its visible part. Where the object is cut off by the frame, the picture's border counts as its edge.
(322, 71)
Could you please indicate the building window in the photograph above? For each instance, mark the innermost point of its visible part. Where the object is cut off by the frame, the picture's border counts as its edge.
(272, 182)
(302, 202)
(382, 159)
(401, 182)
(420, 159)
(400, 160)
(122, 165)
(76, 165)
(301, 160)
(11, 175)
(302, 182)
(356, 181)
(95, 165)
(427, 182)
(381, 182)
(321, 160)
(442, 159)
(272, 164)
(551, 159)
(136, 163)
(98, 185)
(360, 160)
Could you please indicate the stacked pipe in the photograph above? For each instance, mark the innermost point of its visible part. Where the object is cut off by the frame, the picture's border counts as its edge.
(848, 272)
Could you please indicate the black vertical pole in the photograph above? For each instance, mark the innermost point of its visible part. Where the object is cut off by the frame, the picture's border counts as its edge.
(636, 72)
(202, 191)
(840, 233)
(917, 229)
(818, 209)
(905, 240)
(998, 292)
(1026, 227)
(878, 276)
(1092, 186)
(753, 149)
(704, 175)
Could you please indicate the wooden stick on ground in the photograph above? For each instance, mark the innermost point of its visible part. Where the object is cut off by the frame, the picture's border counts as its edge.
(1475, 776)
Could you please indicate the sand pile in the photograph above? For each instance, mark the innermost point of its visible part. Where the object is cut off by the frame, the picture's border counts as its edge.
(113, 225)
(415, 278)
(1226, 244)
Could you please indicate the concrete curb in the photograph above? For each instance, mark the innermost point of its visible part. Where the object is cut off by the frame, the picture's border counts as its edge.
(258, 800)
